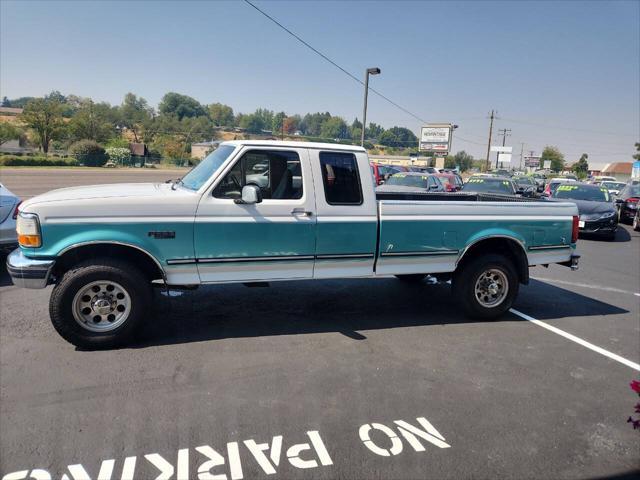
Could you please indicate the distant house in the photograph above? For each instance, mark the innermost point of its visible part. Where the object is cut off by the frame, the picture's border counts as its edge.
(620, 170)
(202, 149)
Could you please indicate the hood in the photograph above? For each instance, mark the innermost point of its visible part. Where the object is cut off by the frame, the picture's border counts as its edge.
(588, 207)
(119, 190)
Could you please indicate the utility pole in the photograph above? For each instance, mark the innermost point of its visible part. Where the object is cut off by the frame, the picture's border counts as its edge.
(490, 132)
(521, 152)
(505, 132)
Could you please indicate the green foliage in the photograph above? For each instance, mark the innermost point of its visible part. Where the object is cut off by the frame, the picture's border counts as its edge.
(117, 142)
(93, 121)
(181, 106)
(278, 122)
(581, 167)
(463, 160)
(135, 114)
(8, 132)
(449, 162)
(88, 153)
(374, 131)
(221, 115)
(44, 116)
(16, 102)
(119, 155)
(399, 137)
(36, 161)
(334, 127)
(312, 123)
(637, 155)
(554, 155)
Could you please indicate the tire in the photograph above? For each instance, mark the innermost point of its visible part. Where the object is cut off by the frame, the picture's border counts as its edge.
(412, 278)
(112, 290)
(636, 223)
(465, 280)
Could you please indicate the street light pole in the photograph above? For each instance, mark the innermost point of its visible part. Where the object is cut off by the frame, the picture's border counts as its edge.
(369, 71)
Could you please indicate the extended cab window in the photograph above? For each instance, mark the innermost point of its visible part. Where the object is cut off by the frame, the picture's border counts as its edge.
(277, 173)
(340, 178)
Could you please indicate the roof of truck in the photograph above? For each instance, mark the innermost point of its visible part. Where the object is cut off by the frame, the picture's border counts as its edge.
(278, 143)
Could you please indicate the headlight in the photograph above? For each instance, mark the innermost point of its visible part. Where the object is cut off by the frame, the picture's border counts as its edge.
(28, 229)
(607, 215)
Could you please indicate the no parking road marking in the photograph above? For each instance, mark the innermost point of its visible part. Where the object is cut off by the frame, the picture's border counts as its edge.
(578, 340)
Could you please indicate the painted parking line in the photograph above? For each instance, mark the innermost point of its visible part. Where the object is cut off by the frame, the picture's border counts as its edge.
(585, 285)
(578, 340)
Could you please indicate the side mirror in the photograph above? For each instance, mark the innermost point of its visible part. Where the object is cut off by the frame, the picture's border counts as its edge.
(433, 187)
(619, 200)
(381, 182)
(251, 194)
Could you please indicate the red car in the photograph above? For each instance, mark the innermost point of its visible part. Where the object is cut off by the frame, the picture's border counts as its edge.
(450, 181)
(382, 172)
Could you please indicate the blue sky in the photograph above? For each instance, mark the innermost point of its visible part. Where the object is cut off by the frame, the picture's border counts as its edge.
(560, 73)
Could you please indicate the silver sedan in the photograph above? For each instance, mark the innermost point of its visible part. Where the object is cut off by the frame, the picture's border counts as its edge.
(8, 214)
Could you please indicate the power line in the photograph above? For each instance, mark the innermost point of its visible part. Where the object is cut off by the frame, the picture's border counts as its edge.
(345, 71)
(526, 122)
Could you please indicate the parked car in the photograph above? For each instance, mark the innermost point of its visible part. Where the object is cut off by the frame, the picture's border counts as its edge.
(603, 178)
(411, 182)
(526, 186)
(627, 201)
(499, 185)
(9, 204)
(595, 206)
(553, 184)
(613, 187)
(211, 227)
(451, 181)
(382, 172)
(540, 179)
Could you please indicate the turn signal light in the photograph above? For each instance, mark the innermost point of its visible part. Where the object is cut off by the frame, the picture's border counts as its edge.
(31, 241)
(575, 229)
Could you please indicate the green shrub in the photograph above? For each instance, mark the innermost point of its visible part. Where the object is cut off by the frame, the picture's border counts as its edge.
(88, 153)
(36, 161)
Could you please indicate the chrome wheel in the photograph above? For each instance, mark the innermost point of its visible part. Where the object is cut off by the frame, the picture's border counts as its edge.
(491, 288)
(101, 306)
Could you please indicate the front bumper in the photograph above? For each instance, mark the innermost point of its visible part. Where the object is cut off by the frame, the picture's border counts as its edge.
(28, 272)
(606, 226)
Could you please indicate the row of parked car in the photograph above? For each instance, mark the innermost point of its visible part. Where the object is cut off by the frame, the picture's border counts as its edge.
(602, 203)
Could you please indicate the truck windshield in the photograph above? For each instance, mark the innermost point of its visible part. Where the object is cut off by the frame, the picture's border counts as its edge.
(207, 167)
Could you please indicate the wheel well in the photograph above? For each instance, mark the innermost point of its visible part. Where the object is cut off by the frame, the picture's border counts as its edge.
(503, 246)
(145, 263)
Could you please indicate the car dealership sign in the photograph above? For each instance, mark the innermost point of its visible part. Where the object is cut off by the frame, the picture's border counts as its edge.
(435, 137)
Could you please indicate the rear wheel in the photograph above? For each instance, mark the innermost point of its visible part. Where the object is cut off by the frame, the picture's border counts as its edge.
(100, 304)
(636, 222)
(486, 286)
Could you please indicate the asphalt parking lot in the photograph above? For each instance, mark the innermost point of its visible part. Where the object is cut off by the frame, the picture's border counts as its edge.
(331, 379)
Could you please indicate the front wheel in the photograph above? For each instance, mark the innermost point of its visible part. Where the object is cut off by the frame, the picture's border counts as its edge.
(486, 286)
(100, 303)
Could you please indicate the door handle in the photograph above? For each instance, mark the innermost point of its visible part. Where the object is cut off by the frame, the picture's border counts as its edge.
(301, 211)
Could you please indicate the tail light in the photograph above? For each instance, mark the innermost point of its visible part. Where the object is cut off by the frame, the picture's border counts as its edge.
(632, 200)
(575, 229)
(15, 211)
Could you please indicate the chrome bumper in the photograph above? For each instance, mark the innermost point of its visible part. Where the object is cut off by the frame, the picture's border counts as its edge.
(28, 272)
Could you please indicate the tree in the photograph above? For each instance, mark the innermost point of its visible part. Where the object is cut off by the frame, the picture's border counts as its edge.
(581, 167)
(6, 102)
(94, 121)
(637, 155)
(221, 115)
(89, 153)
(399, 137)
(374, 131)
(463, 160)
(8, 132)
(553, 155)
(180, 105)
(44, 116)
(135, 114)
(334, 127)
(312, 123)
(278, 122)
(252, 123)
(291, 124)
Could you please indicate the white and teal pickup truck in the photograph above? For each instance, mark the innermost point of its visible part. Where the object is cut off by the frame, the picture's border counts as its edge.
(262, 211)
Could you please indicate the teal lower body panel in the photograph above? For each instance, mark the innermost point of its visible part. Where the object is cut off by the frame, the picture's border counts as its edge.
(345, 248)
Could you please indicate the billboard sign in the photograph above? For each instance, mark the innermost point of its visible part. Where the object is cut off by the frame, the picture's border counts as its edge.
(504, 158)
(501, 149)
(533, 162)
(435, 137)
(547, 164)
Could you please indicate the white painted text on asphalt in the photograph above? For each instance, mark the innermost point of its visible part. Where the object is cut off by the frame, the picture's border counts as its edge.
(214, 465)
